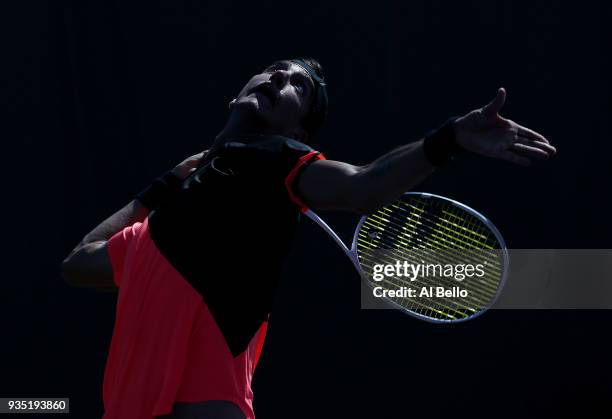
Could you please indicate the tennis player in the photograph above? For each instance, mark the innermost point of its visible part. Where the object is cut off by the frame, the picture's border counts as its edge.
(196, 256)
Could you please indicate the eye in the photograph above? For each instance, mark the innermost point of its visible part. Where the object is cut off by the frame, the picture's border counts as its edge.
(271, 69)
(300, 85)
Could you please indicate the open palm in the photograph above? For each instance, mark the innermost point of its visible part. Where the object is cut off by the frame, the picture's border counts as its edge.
(485, 132)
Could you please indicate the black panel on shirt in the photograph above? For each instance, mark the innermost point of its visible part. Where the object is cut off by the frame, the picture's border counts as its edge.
(229, 228)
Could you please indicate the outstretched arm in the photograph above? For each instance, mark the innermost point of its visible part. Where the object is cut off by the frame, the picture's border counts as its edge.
(89, 265)
(327, 184)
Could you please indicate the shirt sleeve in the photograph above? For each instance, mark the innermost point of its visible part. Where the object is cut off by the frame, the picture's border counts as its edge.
(291, 181)
(117, 250)
(277, 160)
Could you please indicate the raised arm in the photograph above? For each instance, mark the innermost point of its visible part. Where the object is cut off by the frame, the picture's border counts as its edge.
(327, 184)
(88, 265)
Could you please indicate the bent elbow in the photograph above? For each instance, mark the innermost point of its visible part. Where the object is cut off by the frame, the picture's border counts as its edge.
(72, 269)
(88, 267)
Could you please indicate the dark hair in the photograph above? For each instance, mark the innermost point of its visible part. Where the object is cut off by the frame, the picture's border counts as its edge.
(316, 65)
(318, 110)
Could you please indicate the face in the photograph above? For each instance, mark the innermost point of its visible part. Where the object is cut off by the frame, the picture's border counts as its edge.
(278, 98)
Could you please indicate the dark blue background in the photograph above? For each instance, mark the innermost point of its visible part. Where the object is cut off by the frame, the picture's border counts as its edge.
(101, 96)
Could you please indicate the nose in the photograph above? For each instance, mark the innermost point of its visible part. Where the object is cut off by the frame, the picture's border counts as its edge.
(280, 78)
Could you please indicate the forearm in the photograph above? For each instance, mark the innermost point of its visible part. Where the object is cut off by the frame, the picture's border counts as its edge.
(328, 184)
(159, 191)
(88, 263)
(394, 173)
(126, 216)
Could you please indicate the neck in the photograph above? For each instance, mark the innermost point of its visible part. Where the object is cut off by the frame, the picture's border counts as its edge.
(239, 124)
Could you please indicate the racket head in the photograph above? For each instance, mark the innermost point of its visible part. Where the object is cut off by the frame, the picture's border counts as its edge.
(432, 224)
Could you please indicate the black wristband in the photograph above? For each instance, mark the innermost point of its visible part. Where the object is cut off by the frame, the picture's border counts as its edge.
(440, 145)
(159, 190)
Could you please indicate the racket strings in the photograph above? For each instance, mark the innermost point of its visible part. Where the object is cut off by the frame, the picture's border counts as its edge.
(438, 231)
(462, 308)
(421, 254)
(410, 226)
(416, 243)
(473, 300)
(431, 224)
(473, 228)
(453, 305)
(477, 296)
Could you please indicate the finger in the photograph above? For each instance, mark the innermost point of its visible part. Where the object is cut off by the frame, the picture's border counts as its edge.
(514, 158)
(200, 156)
(496, 104)
(526, 132)
(195, 159)
(529, 151)
(538, 144)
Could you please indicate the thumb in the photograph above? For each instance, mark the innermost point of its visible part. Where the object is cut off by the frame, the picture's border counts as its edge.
(496, 104)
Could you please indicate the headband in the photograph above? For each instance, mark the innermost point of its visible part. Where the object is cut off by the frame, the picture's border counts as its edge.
(318, 110)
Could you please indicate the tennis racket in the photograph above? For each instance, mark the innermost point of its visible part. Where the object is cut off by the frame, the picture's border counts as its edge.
(438, 239)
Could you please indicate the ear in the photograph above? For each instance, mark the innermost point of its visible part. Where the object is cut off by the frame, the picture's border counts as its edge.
(301, 135)
(231, 103)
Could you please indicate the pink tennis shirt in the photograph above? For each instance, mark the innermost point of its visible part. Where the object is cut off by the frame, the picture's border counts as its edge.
(166, 345)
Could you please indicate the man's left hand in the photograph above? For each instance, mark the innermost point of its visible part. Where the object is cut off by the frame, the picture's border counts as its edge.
(485, 132)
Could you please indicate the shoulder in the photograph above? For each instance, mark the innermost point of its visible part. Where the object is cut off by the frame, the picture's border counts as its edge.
(272, 143)
(269, 148)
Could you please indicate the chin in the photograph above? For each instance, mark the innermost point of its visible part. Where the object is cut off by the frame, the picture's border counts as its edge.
(247, 104)
(258, 117)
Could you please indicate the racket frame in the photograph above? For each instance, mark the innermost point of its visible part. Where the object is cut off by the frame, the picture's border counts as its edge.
(352, 253)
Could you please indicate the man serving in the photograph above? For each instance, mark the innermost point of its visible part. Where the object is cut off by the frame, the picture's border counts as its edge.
(190, 324)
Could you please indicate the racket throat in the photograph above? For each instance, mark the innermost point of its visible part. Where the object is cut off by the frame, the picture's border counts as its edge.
(350, 253)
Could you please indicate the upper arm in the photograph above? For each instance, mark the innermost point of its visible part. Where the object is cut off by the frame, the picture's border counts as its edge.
(90, 266)
(328, 184)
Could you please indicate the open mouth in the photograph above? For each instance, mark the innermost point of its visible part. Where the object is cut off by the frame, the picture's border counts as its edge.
(267, 91)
